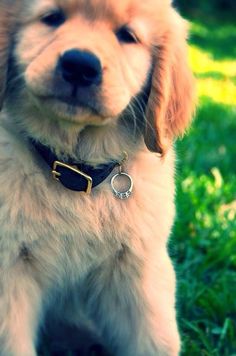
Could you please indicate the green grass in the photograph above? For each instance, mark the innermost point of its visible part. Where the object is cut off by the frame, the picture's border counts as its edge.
(205, 231)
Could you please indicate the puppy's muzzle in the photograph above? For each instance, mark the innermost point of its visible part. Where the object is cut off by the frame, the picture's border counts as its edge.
(80, 69)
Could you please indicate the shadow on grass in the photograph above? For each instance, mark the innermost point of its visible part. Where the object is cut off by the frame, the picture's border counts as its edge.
(220, 40)
(216, 76)
(211, 141)
(214, 30)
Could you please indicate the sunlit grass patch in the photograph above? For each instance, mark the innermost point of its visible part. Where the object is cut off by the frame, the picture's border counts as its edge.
(222, 91)
(216, 78)
(202, 61)
(215, 38)
(216, 74)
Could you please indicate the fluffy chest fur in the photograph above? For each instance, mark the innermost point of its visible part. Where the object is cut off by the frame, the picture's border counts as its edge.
(42, 213)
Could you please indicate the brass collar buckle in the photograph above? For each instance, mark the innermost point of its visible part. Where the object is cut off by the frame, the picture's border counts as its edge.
(74, 169)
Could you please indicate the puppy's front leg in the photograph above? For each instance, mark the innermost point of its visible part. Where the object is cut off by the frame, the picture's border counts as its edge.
(20, 301)
(132, 304)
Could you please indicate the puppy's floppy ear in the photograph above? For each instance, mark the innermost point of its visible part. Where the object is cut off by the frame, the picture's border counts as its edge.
(8, 13)
(172, 97)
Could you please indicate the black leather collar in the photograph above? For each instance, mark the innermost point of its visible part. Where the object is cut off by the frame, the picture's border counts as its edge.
(74, 176)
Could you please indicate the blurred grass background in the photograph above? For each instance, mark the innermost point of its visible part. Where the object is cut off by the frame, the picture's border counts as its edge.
(205, 231)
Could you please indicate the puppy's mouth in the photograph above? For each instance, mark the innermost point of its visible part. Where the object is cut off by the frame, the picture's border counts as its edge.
(73, 103)
(72, 109)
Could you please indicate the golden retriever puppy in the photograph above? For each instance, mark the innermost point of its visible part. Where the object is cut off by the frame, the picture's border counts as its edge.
(93, 93)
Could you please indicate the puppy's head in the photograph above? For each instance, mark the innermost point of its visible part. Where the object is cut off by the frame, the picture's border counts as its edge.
(84, 62)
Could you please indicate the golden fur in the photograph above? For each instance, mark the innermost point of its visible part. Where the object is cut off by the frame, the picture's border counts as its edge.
(97, 258)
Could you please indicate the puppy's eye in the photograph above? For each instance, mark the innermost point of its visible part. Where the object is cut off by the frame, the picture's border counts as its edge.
(126, 35)
(54, 19)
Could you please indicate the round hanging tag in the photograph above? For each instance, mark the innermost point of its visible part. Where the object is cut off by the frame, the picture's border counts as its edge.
(124, 194)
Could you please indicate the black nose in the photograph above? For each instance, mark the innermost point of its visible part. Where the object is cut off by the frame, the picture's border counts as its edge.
(80, 68)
